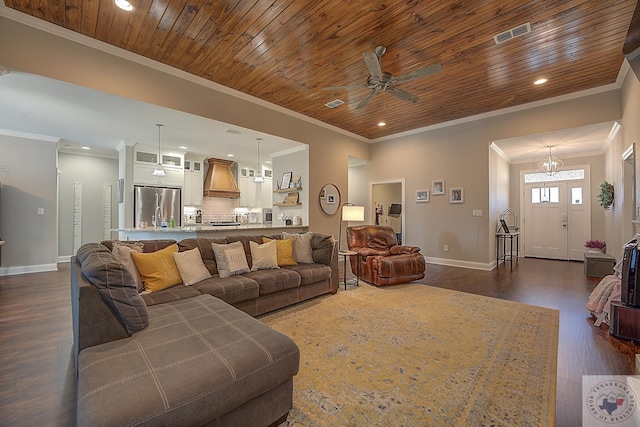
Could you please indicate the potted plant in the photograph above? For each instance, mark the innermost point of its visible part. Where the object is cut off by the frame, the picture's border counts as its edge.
(606, 195)
(595, 246)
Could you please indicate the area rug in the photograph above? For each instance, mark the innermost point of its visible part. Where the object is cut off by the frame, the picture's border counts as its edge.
(415, 355)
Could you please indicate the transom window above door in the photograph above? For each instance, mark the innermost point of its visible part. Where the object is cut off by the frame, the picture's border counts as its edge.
(563, 175)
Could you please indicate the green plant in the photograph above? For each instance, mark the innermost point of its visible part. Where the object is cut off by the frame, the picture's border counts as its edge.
(606, 195)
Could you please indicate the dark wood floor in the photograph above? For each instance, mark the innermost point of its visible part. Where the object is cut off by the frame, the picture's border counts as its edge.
(36, 367)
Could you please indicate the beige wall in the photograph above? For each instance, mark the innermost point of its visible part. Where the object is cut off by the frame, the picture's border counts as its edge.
(499, 186)
(459, 154)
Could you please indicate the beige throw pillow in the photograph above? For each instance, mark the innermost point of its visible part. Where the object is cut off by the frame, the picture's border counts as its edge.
(264, 256)
(190, 265)
(302, 251)
(230, 259)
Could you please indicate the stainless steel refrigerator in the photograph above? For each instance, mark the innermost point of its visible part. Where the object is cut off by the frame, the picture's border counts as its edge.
(155, 205)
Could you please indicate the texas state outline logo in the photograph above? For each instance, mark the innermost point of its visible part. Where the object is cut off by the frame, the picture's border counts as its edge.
(610, 401)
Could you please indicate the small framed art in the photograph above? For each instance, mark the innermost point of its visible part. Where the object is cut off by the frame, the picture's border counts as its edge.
(422, 196)
(438, 187)
(456, 195)
(286, 180)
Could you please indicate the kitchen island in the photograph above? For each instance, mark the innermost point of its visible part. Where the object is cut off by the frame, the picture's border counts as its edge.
(208, 231)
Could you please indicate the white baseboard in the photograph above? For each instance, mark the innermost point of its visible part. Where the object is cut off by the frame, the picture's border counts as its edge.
(65, 258)
(12, 271)
(464, 264)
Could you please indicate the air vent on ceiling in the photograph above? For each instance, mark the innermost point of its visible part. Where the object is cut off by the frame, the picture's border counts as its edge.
(233, 131)
(512, 33)
(334, 103)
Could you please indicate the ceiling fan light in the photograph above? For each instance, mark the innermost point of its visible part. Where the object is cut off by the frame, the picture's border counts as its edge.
(381, 123)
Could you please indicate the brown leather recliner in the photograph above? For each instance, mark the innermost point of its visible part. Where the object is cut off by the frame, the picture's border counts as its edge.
(380, 259)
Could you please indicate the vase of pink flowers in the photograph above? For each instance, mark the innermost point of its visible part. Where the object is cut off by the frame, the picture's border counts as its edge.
(595, 246)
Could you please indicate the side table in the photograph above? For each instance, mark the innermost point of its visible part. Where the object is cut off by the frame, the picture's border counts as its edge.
(344, 255)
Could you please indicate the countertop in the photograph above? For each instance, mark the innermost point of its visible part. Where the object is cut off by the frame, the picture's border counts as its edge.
(201, 228)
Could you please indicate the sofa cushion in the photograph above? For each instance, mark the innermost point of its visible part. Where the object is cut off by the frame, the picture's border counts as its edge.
(174, 293)
(232, 289)
(311, 273)
(158, 269)
(264, 256)
(89, 248)
(198, 359)
(190, 266)
(230, 259)
(302, 251)
(271, 281)
(206, 250)
(116, 286)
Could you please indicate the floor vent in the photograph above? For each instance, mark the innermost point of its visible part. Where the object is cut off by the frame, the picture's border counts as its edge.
(334, 103)
(512, 33)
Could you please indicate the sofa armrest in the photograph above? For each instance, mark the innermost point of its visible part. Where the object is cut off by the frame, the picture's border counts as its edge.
(324, 249)
(367, 252)
(93, 321)
(399, 249)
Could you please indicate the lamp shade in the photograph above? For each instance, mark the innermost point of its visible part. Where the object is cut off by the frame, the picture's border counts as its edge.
(352, 213)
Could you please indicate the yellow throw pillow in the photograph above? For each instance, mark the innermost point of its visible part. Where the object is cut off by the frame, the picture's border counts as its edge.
(284, 251)
(158, 269)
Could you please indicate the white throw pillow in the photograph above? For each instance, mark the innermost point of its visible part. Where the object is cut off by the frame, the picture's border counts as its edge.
(302, 251)
(230, 259)
(192, 269)
(264, 256)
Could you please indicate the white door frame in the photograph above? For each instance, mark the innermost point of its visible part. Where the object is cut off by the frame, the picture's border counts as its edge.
(587, 180)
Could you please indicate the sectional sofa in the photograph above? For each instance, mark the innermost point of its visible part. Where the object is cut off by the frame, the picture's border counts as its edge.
(189, 355)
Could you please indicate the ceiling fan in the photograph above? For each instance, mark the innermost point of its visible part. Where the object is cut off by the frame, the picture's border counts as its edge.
(382, 81)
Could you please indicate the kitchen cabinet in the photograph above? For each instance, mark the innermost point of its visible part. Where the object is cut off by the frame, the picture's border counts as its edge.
(267, 193)
(247, 192)
(149, 156)
(193, 182)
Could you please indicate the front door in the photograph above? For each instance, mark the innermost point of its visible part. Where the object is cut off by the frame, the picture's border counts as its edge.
(557, 219)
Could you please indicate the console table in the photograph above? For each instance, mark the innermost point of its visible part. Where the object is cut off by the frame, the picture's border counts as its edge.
(503, 238)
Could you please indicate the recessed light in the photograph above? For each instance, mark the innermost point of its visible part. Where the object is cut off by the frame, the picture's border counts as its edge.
(231, 155)
(381, 123)
(124, 5)
(540, 81)
(183, 147)
(86, 148)
(268, 162)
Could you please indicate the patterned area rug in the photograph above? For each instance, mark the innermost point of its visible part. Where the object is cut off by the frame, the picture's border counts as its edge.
(414, 355)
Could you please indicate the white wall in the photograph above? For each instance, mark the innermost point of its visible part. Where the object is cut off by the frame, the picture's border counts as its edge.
(29, 182)
(499, 188)
(298, 164)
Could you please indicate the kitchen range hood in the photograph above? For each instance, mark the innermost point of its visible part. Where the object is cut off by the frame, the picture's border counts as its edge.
(219, 181)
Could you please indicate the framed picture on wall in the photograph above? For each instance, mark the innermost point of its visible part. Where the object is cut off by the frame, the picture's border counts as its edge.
(286, 180)
(422, 196)
(438, 187)
(456, 195)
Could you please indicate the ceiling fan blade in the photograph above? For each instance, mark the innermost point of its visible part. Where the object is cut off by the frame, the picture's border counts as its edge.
(373, 64)
(401, 94)
(366, 100)
(420, 72)
(345, 87)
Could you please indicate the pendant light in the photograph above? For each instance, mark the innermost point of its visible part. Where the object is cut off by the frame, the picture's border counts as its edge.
(159, 170)
(550, 165)
(258, 176)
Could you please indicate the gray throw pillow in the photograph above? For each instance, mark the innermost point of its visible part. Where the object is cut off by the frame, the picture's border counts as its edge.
(302, 251)
(117, 288)
(230, 259)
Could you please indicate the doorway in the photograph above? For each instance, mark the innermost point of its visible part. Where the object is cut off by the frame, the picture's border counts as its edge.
(557, 214)
(387, 205)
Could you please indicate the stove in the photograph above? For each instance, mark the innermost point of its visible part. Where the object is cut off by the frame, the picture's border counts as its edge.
(223, 223)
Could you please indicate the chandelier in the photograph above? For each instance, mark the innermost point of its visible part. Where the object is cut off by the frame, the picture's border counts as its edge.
(550, 164)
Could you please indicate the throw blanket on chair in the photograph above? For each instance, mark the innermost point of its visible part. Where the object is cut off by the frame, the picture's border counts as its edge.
(600, 299)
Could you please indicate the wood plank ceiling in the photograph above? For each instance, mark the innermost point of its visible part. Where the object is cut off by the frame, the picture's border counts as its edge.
(286, 51)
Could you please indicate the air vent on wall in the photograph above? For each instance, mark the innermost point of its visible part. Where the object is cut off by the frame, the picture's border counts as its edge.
(334, 103)
(512, 33)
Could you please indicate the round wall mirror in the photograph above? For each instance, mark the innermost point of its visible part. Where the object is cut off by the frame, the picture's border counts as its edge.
(329, 199)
